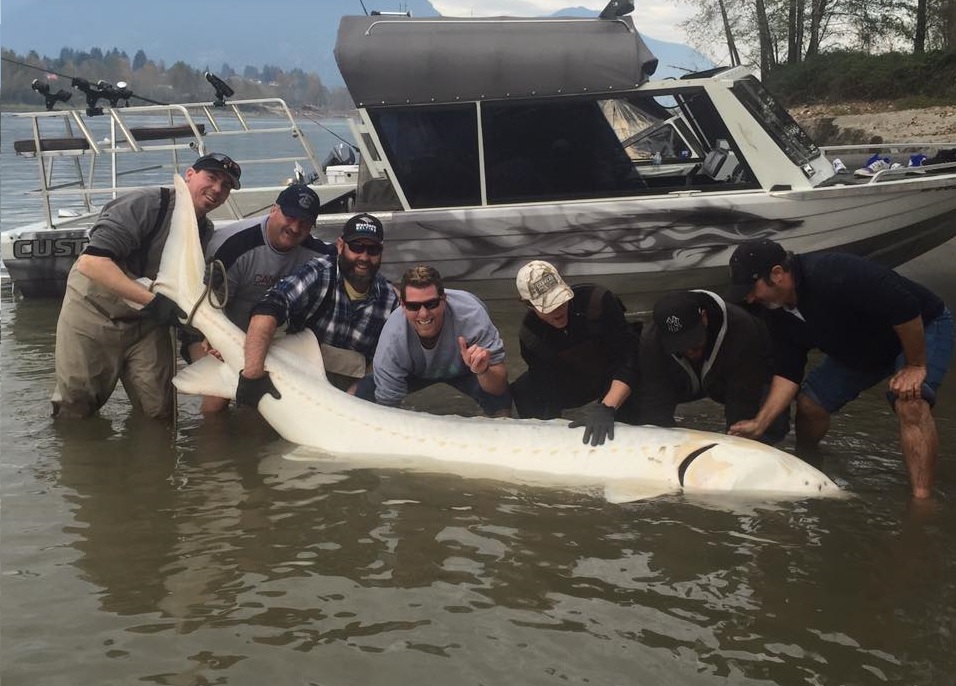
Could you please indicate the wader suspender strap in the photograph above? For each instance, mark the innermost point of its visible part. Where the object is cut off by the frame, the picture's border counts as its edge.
(164, 196)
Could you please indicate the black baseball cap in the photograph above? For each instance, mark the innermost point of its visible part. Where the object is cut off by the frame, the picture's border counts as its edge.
(299, 201)
(679, 323)
(216, 161)
(363, 226)
(752, 260)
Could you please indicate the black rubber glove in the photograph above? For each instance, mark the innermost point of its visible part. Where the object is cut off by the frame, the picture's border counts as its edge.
(597, 420)
(163, 310)
(250, 391)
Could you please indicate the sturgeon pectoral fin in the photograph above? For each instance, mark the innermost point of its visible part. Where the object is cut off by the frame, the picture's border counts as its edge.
(207, 376)
(630, 490)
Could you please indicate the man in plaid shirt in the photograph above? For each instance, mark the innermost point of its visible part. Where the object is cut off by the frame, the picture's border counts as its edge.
(342, 298)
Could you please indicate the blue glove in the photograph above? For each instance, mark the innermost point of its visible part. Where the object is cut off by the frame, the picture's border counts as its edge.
(250, 391)
(163, 310)
(597, 420)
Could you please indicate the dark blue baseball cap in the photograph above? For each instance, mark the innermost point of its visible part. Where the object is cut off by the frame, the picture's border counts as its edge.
(752, 260)
(299, 201)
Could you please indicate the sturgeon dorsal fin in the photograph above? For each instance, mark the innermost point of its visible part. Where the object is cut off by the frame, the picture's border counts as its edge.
(302, 344)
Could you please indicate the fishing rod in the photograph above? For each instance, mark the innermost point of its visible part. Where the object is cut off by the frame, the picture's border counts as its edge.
(101, 90)
(302, 113)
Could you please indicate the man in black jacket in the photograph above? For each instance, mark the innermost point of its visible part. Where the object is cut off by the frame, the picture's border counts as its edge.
(580, 351)
(699, 346)
(871, 323)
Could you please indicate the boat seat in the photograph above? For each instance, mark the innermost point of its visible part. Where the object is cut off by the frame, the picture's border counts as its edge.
(719, 164)
(155, 133)
(141, 133)
(29, 147)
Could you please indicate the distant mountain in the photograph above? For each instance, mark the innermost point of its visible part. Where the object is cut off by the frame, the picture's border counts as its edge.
(281, 33)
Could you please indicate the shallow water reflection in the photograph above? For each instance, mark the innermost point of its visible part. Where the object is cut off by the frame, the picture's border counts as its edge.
(129, 556)
(136, 554)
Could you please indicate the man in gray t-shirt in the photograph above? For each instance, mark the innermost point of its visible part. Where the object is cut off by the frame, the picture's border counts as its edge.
(438, 335)
(254, 254)
(100, 338)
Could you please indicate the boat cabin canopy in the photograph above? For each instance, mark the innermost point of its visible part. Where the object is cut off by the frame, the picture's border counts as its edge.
(397, 60)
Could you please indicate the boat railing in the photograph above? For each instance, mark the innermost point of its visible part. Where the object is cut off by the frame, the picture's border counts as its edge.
(83, 158)
(912, 146)
(894, 174)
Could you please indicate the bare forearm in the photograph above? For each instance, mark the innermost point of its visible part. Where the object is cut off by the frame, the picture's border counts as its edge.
(782, 392)
(913, 341)
(262, 328)
(616, 394)
(494, 379)
(108, 274)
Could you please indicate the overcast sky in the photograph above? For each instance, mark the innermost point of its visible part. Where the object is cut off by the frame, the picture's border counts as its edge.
(656, 18)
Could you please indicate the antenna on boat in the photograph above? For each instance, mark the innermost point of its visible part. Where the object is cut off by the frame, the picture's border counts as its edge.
(617, 8)
(363, 7)
(223, 89)
(43, 88)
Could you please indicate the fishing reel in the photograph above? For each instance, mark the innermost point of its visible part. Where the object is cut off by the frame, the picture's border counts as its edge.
(102, 90)
(223, 89)
(115, 93)
(43, 88)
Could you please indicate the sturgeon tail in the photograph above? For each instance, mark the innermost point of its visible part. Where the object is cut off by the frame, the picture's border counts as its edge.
(180, 276)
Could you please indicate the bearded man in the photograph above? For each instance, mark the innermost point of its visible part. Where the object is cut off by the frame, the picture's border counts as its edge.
(342, 298)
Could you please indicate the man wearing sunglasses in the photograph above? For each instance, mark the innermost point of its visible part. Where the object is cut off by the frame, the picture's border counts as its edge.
(438, 336)
(342, 298)
(251, 255)
(100, 338)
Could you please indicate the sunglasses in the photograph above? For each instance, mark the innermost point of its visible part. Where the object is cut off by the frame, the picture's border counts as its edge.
(227, 163)
(373, 249)
(428, 304)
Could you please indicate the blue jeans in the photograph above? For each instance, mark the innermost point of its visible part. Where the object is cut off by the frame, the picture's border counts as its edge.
(466, 384)
(832, 385)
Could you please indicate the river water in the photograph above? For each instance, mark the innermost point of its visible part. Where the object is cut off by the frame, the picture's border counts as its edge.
(136, 553)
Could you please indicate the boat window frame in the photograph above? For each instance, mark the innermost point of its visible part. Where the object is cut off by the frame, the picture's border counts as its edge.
(416, 128)
(774, 119)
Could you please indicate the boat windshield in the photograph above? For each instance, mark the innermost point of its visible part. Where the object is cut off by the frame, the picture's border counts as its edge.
(776, 121)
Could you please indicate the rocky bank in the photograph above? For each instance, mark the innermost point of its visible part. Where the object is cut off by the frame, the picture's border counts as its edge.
(859, 123)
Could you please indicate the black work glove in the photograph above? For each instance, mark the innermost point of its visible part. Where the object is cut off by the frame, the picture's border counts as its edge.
(163, 310)
(250, 391)
(597, 420)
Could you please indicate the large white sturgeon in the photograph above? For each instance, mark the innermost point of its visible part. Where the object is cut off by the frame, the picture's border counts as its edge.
(640, 461)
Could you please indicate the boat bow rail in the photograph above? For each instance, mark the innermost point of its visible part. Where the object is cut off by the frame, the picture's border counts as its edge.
(85, 161)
